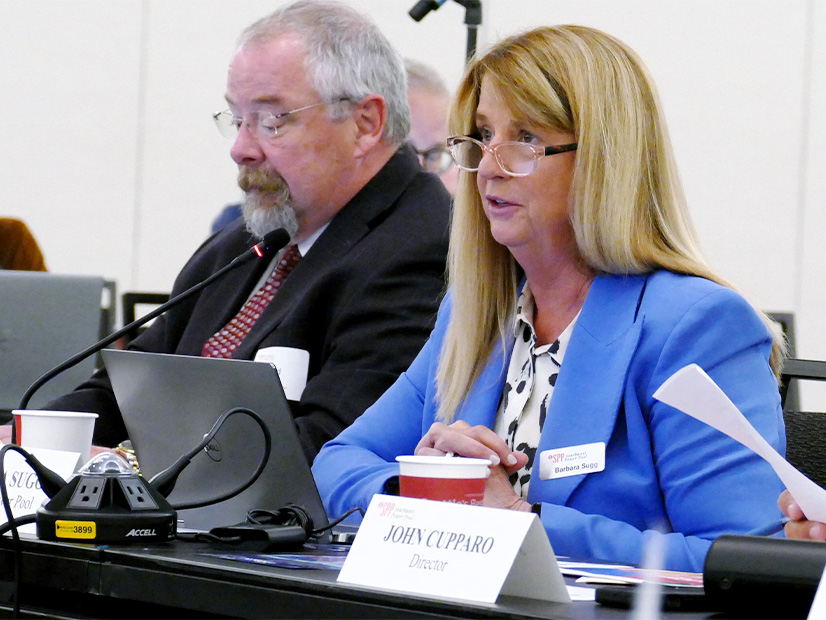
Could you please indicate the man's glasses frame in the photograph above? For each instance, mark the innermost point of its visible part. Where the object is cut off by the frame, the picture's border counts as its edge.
(260, 123)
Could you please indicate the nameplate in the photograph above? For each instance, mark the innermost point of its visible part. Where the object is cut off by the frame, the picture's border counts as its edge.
(25, 495)
(453, 551)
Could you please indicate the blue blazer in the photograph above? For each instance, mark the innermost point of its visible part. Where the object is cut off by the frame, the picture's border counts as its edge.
(664, 471)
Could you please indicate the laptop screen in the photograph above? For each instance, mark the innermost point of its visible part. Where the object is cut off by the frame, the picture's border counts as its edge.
(169, 402)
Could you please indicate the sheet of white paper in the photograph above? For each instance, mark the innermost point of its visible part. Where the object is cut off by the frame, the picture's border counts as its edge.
(693, 392)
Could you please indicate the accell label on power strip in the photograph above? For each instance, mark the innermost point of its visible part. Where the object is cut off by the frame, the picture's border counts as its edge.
(75, 529)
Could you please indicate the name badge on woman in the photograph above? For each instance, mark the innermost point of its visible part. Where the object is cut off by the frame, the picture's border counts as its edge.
(572, 461)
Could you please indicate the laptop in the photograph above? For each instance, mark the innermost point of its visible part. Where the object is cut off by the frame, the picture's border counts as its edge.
(169, 402)
(45, 318)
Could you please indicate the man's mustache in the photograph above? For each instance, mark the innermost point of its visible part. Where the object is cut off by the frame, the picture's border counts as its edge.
(255, 179)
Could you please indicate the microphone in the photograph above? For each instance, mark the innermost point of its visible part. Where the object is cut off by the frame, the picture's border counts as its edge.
(269, 245)
(423, 7)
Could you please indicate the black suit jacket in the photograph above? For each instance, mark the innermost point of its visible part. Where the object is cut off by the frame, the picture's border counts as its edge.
(361, 302)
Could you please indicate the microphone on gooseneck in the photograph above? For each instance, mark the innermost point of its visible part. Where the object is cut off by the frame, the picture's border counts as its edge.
(423, 7)
(269, 245)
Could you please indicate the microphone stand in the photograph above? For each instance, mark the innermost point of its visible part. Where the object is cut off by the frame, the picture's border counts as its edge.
(271, 243)
(473, 18)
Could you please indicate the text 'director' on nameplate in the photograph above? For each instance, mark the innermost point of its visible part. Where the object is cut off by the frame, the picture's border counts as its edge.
(453, 551)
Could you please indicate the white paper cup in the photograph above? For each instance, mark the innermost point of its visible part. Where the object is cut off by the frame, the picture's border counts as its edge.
(443, 478)
(70, 431)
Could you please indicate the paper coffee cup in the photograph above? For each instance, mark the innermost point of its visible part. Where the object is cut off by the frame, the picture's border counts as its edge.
(444, 478)
(69, 431)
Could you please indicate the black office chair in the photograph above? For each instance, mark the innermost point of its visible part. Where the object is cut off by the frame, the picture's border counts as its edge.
(805, 430)
(129, 303)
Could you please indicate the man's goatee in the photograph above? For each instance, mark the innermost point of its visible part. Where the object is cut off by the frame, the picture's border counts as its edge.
(266, 202)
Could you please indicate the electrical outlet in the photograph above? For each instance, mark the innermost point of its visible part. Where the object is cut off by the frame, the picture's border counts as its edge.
(138, 498)
(88, 493)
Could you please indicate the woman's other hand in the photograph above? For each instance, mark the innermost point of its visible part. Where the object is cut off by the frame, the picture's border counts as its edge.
(799, 527)
(499, 491)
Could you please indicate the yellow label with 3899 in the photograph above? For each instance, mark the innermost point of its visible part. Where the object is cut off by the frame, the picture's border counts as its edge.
(75, 529)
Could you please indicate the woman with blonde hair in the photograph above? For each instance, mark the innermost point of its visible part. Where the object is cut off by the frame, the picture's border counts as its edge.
(576, 288)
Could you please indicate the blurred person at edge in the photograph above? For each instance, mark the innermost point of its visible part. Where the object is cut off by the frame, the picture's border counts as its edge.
(429, 100)
(575, 289)
(319, 120)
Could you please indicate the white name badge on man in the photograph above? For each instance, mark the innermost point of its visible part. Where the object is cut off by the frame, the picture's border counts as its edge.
(292, 365)
(453, 551)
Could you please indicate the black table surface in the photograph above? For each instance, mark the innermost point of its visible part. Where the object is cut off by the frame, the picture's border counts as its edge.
(175, 579)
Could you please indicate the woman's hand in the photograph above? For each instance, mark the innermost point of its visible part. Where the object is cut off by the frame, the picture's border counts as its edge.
(480, 442)
(499, 492)
(799, 527)
(462, 439)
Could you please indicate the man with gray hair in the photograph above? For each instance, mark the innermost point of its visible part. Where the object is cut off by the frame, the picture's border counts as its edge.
(318, 115)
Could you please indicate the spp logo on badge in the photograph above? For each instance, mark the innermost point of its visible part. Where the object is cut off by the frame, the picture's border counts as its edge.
(556, 457)
(386, 508)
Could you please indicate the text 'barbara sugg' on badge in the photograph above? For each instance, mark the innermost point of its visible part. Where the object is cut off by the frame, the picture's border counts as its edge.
(588, 458)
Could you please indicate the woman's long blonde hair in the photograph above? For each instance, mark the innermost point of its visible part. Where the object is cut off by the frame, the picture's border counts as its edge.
(627, 211)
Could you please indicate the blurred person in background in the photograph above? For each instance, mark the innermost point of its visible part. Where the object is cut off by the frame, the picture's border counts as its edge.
(18, 247)
(429, 100)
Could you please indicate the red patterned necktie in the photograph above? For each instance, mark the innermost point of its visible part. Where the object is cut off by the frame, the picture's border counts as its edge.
(225, 342)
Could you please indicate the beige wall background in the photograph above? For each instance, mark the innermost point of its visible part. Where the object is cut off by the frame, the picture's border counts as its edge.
(109, 152)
